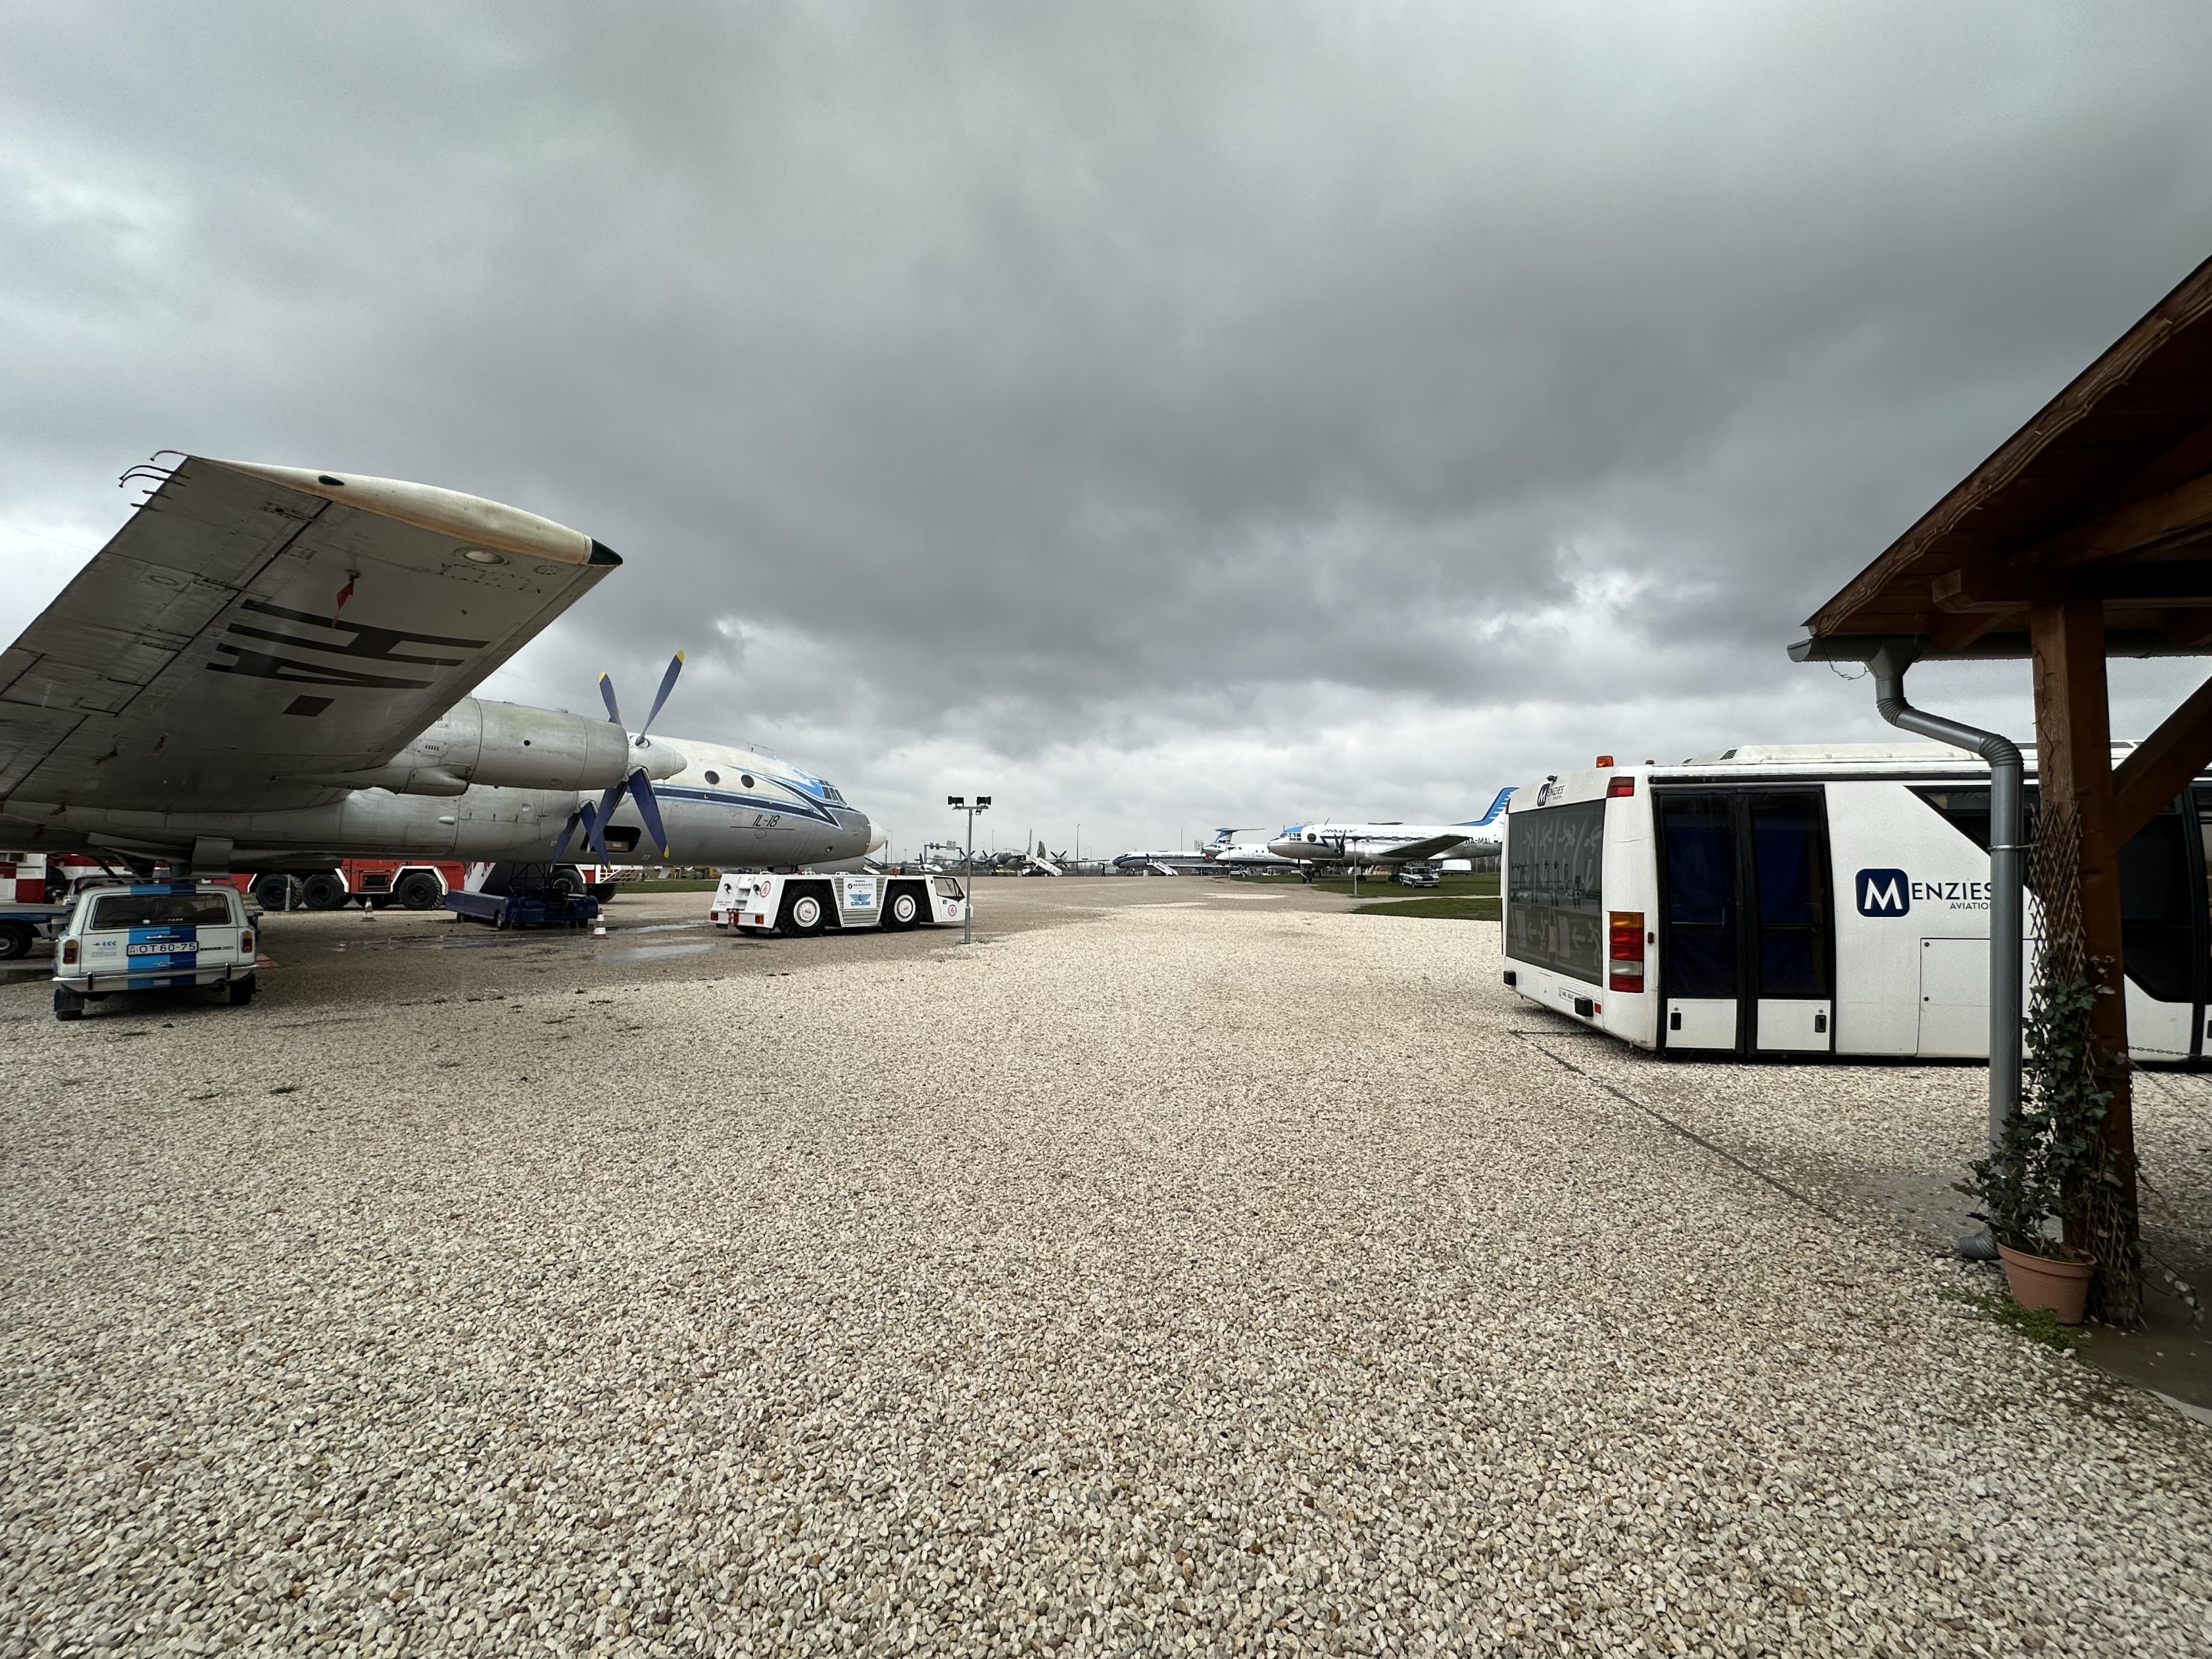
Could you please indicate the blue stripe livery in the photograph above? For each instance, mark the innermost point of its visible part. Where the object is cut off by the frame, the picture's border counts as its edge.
(1496, 807)
(164, 956)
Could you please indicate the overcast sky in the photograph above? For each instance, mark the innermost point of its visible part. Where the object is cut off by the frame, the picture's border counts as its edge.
(1157, 416)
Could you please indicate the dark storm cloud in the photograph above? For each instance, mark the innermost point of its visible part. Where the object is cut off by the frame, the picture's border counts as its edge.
(1155, 402)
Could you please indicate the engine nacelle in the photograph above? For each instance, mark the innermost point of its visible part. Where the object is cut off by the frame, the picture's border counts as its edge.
(510, 745)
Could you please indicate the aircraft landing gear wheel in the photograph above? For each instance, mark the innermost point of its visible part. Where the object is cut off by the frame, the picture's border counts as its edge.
(418, 891)
(804, 916)
(240, 992)
(67, 1004)
(15, 941)
(902, 911)
(323, 890)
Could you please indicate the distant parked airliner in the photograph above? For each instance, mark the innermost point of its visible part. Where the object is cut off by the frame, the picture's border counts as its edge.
(1390, 843)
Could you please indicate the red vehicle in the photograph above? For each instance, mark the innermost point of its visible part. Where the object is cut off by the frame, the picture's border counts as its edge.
(418, 885)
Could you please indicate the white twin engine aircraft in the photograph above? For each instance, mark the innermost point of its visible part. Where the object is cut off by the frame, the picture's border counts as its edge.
(1389, 843)
(269, 667)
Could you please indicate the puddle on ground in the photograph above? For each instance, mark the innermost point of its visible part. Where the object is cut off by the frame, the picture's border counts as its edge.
(655, 952)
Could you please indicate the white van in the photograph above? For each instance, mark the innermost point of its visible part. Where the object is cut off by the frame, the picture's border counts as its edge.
(157, 936)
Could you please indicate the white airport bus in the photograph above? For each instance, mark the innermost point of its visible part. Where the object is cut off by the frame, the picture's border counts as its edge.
(1808, 900)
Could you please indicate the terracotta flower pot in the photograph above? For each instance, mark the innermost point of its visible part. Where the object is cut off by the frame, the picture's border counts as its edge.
(2042, 1281)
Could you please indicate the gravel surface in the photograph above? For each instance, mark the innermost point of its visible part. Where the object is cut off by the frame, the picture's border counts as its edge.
(1220, 1276)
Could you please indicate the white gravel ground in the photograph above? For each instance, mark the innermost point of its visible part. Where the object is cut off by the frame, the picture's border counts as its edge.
(1226, 1279)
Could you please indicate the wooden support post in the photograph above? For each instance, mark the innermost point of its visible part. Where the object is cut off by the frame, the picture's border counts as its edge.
(2073, 763)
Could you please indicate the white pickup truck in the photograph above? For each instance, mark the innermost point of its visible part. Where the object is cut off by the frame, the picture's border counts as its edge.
(797, 906)
(152, 937)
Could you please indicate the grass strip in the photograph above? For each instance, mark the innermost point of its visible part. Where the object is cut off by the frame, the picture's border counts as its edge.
(1451, 907)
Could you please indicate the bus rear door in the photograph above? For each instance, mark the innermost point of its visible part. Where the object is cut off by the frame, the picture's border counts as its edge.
(1746, 937)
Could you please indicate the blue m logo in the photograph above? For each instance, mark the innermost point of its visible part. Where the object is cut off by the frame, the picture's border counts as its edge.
(1884, 893)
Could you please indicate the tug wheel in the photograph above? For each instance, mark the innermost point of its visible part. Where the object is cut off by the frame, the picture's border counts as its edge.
(903, 910)
(803, 914)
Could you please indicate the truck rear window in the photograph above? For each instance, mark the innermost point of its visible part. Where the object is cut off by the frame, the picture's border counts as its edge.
(117, 910)
(947, 887)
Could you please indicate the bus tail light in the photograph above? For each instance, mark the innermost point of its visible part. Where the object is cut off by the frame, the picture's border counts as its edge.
(69, 953)
(246, 944)
(1623, 784)
(1625, 952)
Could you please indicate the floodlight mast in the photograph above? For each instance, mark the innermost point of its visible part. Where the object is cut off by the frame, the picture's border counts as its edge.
(959, 803)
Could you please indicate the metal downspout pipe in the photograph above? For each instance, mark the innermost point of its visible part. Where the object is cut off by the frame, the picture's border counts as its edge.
(2008, 878)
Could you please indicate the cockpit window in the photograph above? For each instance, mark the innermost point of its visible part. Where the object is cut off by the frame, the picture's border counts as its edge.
(830, 795)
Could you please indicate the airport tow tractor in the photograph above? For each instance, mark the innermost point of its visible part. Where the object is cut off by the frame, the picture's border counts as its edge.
(797, 906)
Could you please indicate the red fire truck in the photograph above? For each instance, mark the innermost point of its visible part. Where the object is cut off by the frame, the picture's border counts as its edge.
(375, 883)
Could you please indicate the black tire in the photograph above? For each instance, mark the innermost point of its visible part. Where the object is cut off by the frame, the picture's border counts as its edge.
(901, 909)
(16, 938)
(240, 992)
(604, 891)
(323, 891)
(567, 881)
(67, 1004)
(805, 913)
(418, 890)
(274, 888)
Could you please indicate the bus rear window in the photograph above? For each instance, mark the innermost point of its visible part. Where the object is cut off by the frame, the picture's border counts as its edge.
(1555, 890)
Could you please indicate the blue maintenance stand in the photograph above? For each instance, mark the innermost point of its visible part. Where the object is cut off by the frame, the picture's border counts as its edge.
(523, 896)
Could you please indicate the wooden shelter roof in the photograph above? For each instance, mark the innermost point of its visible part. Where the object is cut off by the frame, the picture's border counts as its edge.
(2107, 493)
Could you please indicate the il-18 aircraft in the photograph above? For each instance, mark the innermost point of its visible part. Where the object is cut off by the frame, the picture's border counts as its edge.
(1390, 843)
(268, 666)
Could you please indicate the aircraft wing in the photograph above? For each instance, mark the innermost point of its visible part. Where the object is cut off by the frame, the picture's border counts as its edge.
(252, 623)
(1414, 851)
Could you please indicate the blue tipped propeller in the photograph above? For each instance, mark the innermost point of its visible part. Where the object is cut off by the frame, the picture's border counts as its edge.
(638, 788)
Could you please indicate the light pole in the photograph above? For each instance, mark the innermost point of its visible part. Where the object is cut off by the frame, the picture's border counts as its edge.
(959, 803)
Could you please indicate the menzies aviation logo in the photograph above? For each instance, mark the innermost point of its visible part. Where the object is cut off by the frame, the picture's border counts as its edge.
(1893, 893)
(1884, 893)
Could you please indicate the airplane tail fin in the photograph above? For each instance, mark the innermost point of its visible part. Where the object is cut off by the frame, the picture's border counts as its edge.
(1496, 807)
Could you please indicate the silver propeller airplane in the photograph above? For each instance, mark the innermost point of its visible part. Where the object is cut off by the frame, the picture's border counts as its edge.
(268, 666)
(1390, 843)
